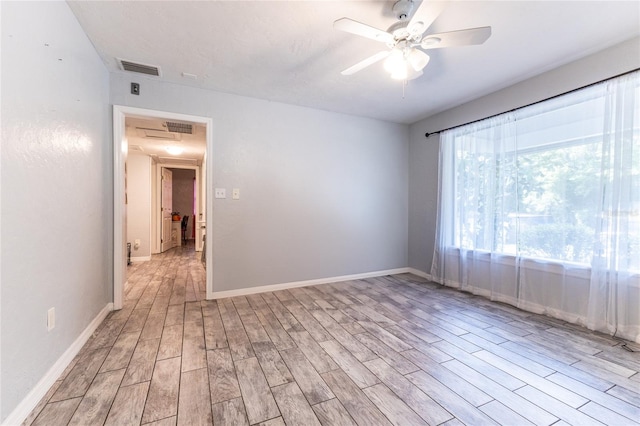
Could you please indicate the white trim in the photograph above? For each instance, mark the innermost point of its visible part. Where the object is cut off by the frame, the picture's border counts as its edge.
(151, 207)
(119, 211)
(284, 286)
(199, 206)
(120, 147)
(209, 211)
(420, 273)
(155, 230)
(20, 413)
(141, 259)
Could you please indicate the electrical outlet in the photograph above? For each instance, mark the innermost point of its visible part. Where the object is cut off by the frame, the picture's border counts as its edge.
(51, 319)
(220, 193)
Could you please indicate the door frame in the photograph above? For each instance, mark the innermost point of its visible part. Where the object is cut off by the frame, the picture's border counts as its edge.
(120, 151)
(156, 227)
(160, 196)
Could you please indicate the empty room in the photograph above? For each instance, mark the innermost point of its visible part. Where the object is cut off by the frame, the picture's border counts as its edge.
(394, 212)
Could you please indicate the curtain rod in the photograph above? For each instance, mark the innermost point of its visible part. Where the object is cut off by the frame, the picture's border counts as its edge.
(532, 103)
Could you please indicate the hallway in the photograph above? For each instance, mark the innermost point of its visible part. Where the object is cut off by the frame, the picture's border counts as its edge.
(384, 350)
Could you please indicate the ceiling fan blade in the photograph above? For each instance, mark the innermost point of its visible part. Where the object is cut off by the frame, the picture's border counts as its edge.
(467, 37)
(358, 28)
(427, 12)
(366, 62)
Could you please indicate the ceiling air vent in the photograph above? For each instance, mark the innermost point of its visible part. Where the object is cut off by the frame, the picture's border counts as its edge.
(157, 134)
(176, 160)
(139, 68)
(180, 127)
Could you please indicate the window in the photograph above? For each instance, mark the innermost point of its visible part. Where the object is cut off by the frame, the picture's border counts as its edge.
(529, 183)
(540, 207)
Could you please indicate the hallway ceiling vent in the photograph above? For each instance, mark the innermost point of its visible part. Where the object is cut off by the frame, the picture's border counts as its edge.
(139, 68)
(182, 161)
(157, 134)
(180, 127)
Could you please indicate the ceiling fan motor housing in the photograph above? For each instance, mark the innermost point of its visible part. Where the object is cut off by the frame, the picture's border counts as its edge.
(402, 9)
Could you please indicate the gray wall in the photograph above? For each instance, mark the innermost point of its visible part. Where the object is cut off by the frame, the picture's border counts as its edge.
(423, 152)
(139, 204)
(423, 197)
(56, 212)
(322, 194)
(183, 194)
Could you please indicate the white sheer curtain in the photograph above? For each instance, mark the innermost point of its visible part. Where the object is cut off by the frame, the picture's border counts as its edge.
(614, 287)
(540, 208)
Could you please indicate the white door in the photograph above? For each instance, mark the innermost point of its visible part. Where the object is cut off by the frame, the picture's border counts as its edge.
(167, 208)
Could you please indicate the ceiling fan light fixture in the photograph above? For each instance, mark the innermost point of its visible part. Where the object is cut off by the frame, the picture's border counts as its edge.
(418, 59)
(395, 62)
(400, 75)
(405, 64)
(412, 75)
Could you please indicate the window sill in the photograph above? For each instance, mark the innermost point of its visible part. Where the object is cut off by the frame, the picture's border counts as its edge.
(572, 269)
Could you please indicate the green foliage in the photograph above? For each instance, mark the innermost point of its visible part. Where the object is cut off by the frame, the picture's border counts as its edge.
(541, 202)
(559, 183)
(562, 241)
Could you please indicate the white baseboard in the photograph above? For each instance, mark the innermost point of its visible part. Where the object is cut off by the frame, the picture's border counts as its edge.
(284, 286)
(141, 259)
(20, 413)
(420, 273)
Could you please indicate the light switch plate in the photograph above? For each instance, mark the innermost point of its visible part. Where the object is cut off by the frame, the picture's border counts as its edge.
(235, 194)
(221, 193)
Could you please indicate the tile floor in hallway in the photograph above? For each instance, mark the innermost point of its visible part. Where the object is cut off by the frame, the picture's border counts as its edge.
(388, 350)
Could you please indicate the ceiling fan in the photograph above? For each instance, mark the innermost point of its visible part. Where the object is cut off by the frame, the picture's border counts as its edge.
(407, 38)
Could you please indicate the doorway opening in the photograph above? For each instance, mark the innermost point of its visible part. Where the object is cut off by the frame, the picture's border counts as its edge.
(178, 197)
(170, 139)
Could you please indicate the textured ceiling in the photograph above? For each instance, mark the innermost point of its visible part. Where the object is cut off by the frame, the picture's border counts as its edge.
(288, 51)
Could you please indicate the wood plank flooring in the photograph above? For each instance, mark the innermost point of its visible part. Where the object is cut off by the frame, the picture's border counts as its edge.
(390, 350)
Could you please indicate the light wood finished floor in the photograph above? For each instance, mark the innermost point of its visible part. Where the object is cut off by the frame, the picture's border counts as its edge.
(390, 350)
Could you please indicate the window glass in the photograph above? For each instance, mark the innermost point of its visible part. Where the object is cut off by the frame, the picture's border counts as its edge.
(531, 184)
